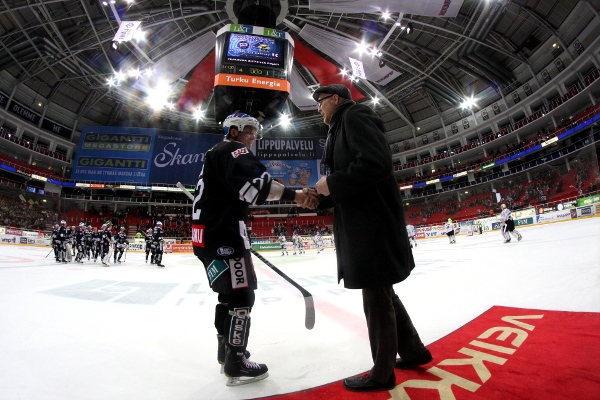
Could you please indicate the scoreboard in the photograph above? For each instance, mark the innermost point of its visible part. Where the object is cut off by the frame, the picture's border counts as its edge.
(253, 66)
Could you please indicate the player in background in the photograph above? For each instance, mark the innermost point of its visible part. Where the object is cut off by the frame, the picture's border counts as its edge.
(508, 225)
(295, 243)
(88, 240)
(55, 242)
(96, 245)
(69, 250)
(62, 241)
(121, 243)
(158, 239)
(298, 244)
(318, 239)
(149, 239)
(283, 242)
(79, 242)
(231, 180)
(105, 242)
(410, 230)
(449, 228)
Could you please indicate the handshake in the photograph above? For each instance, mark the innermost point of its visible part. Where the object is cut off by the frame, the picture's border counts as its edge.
(307, 198)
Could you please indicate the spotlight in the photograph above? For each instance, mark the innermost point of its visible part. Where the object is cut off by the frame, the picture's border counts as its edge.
(409, 28)
(115, 45)
(381, 63)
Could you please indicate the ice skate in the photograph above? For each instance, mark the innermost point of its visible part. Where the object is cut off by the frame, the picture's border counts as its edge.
(240, 371)
(221, 352)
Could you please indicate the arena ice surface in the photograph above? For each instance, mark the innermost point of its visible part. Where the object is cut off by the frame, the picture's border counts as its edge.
(134, 331)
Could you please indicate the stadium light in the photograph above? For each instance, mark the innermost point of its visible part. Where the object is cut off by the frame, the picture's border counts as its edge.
(157, 97)
(139, 35)
(198, 114)
(285, 120)
(468, 103)
(362, 47)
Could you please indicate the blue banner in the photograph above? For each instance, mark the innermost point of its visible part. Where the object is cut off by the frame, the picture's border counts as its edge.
(140, 155)
(179, 156)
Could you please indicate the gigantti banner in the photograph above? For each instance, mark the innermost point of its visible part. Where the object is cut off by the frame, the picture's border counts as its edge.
(140, 156)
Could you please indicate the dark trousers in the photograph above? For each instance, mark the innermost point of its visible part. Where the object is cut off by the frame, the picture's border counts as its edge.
(391, 331)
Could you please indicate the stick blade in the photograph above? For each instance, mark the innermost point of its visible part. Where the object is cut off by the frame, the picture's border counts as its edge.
(309, 319)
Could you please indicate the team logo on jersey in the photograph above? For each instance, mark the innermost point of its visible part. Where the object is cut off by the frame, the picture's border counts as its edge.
(239, 152)
(225, 251)
(198, 235)
(239, 273)
(215, 269)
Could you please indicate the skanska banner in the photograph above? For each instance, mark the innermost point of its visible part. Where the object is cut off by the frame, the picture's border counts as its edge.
(140, 155)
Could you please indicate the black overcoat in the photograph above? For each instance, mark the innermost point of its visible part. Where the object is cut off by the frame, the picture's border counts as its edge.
(370, 231)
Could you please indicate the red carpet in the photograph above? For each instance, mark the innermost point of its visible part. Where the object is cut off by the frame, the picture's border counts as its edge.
(505, 353)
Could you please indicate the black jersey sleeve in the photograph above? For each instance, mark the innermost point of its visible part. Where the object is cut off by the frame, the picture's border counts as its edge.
(245, 174)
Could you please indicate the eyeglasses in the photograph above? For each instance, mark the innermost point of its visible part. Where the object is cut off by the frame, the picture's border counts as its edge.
(323, 98)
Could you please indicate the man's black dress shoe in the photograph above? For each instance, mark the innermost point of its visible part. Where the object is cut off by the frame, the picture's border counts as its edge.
(363, 383)
(424, 358)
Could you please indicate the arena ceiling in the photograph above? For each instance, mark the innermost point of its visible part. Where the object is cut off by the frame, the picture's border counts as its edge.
(59, 54)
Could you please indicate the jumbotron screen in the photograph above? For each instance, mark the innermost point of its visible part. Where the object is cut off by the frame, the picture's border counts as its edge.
(255, 50)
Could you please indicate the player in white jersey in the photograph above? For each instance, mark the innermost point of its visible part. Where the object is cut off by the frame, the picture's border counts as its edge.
(410, 230)
(508, 225)
(318, 239)
(298, 244)
(283, 242)
(449, 228)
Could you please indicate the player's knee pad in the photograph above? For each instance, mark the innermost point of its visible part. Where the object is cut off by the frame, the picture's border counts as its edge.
(239, 298)
(221, 313)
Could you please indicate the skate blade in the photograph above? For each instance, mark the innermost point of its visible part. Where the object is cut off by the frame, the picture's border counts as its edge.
(232, 381)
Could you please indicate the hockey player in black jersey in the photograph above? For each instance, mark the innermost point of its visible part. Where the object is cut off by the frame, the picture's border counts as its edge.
(231, 179)
(149, 238)
(62, 241)
(158, 240)
(96, 246)
(88, 240)
(121, 243)
(56, 242)
(105, 242)
(78, 242)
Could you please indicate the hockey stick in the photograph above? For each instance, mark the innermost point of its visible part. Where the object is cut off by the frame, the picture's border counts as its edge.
(51, 250)
(185, 191)
(309, 319)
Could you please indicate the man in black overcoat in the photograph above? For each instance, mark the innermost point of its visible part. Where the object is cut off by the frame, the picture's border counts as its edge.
(373, 251)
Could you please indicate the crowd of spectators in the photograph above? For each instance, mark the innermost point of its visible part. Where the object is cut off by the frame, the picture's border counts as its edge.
(174, 226)
(518, 193)
(24, 215)
(285, 225)
(492, 154)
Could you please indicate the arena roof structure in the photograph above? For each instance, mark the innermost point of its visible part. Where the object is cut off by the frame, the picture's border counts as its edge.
(422, 61)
